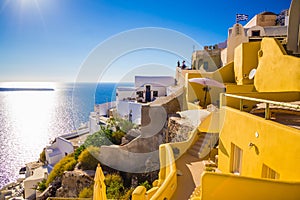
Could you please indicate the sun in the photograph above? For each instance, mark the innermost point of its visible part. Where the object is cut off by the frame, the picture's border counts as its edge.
(23, 7)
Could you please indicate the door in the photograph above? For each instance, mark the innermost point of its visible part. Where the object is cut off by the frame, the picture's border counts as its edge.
(148, 93)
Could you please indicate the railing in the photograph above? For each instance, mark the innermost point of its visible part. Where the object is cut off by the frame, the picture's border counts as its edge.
(267, 102)
(165, 186)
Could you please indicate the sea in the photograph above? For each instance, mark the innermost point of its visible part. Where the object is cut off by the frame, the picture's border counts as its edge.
(33, 114)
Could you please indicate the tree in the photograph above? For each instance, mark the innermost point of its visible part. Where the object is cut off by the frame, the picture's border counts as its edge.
(102, 137)
(89, 158)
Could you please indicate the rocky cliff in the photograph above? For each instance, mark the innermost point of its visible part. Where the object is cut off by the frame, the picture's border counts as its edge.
(73, 182)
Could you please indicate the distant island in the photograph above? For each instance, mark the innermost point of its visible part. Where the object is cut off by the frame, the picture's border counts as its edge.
(25, 89)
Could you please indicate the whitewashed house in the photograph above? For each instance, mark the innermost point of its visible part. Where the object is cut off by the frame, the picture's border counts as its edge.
(101, 111)
(59, 148)
(146, 89)
(31, 182)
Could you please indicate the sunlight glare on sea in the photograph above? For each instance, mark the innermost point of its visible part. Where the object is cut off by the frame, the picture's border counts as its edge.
(29, 120)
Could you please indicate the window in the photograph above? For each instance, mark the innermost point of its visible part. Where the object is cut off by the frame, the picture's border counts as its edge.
(267, 172)
(256, 33)
(155, 93)
(139, 93)
(236, 159)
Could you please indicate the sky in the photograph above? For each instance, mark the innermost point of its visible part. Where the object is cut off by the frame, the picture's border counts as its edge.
(51, 40)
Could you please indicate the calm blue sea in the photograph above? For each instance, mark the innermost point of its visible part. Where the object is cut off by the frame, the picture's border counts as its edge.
(30, 119)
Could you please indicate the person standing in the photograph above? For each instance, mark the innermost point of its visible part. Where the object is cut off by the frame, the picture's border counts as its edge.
(183, 65)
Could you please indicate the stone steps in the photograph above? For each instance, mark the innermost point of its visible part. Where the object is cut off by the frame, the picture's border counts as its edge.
(196, 193)
(194, 150)
(202, 146)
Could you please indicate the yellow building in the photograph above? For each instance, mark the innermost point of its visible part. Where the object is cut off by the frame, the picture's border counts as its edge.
(259, 129)
(259, 126)
(258, 122)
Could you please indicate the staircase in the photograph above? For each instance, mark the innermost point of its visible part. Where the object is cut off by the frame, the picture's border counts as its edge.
(196, 193)
(203, 145)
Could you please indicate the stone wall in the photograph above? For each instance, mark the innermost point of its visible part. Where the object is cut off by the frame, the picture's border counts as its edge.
(163, 107)
(179, 129)
(72, 183)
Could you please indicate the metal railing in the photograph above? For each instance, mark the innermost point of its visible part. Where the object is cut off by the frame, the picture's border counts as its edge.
(267, 102)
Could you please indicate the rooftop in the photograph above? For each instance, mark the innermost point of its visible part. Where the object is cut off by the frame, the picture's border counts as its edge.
(38, 173)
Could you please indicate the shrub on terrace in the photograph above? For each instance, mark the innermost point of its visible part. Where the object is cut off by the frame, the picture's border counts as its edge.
(65, 164)
(88, 158)
(87, 192)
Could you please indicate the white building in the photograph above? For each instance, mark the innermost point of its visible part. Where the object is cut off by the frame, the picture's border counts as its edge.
(57, 150)
(101, 111)
(146, 89)
(31, 182)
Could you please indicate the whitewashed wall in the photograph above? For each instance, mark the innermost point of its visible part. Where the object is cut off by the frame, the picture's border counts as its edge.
(124, 107)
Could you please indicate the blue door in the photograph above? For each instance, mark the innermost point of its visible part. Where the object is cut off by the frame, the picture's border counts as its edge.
(148, 93)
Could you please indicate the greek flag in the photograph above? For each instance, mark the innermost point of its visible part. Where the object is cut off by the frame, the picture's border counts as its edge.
(241, 17)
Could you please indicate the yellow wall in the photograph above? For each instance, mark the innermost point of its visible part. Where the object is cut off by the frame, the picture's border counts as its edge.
(277, 145)
(210, 124)
(245, 60)
(167, 178)
(218, 186)
(226, 73)
(276, 72)
(234, 88)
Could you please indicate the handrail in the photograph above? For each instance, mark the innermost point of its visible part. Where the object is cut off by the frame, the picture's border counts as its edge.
(263, 101)
(268, 102)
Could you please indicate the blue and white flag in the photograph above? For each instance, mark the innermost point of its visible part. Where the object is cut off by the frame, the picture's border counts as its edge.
(241, 17)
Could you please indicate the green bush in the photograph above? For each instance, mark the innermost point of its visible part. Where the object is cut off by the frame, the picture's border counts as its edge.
(111, 122)
(117, 136)
(114, 186)
(43, 156)
(42, 186)
(125, 125)
(88, 158)
(87, 192)
(147, 185)
(110, 178)
(71, 165)
(78, 151)
(102, 137)
(60, 167)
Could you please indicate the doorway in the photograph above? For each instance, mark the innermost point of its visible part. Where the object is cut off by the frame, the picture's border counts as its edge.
(148, 93)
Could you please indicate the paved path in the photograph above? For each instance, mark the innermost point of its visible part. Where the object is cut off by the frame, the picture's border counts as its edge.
(191, 169)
